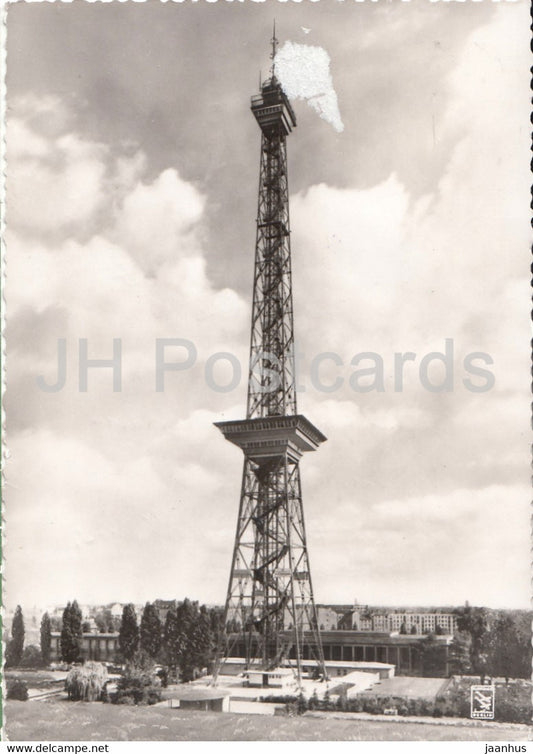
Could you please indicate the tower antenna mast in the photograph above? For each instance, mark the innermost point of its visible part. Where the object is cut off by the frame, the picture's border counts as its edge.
(274, 42)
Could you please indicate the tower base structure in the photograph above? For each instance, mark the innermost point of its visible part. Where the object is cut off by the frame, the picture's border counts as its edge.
(269, 604)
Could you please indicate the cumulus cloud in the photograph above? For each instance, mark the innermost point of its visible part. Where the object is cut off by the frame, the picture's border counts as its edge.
(158, 219)
(142, 276)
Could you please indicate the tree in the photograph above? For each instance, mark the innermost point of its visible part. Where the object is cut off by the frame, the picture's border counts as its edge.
(104, 621)
(46, 639)
(433, 656)
(202, 644)
(186, 614)
(71, 634)
(76, 622)
(403, 628)
(171, 641)
(150, 633)
(216, 618)
(505, 650)
(413, 629)
(55, 623)
(459, 654)
(128, 637)
(86, 683)
(475, 621)
(15, 647)
(522, 621)
(66, 634)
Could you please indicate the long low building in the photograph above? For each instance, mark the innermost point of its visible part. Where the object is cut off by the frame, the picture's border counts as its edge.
(406, 652)
(99, 647)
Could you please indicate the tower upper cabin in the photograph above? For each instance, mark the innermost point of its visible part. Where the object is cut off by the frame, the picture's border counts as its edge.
(273, 110)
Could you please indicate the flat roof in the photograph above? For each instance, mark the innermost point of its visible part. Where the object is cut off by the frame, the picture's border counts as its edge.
(194, 693)
(408, 686)
(355, 664)
(328, 663)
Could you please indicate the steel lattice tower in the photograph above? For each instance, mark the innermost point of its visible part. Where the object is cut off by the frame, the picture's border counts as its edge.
(270, 615)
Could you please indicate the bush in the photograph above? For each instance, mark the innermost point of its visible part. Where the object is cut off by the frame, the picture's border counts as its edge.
(125, 700)
(17, 689)
(279, 698)
(32, 657)
(342, 702)
(86, 683)
(137, 686)
(301, 705)
(371, 705)
(162, 674)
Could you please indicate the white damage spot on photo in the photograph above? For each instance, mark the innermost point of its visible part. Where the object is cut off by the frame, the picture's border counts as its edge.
(303, 71)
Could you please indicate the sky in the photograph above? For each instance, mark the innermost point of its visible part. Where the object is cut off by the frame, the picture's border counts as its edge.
(131, 201)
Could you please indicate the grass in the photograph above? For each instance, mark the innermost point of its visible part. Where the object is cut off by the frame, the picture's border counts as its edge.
(38, 679)
(86, 721)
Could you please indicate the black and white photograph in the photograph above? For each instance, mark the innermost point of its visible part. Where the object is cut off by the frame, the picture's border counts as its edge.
(266, 372)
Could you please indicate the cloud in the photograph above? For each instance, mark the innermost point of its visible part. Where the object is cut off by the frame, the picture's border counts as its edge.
(448, 539)
(396, 272)
(141, 276)
(58, 182)
(156, 222)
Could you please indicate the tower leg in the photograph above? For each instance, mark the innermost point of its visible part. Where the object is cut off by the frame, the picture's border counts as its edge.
(270, 610)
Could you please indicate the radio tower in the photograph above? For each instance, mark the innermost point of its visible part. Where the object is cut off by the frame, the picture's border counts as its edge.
(270, 616)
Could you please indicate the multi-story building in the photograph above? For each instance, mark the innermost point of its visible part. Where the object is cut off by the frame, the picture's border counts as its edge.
(380, 622)
(163, 607)
(404, 622)
(423, 623)
(327, 618)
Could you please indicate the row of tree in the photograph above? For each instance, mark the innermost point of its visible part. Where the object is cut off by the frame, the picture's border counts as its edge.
(17, 654)
(185, 643)
(492, 642)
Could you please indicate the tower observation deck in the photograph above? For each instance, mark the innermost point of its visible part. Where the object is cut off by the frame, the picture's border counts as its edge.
(270, 595)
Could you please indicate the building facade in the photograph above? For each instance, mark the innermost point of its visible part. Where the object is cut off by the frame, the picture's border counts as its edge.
(420, 624)
(98, 647)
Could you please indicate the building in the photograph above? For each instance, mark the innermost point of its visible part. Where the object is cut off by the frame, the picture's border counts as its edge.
(419, 623)
(380, 622)
(163, 607)
(206, 700)
(404, 652)
(328, 618)
(98, 647)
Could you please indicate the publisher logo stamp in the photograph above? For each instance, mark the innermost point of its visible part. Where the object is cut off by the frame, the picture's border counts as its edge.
(482, 702)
